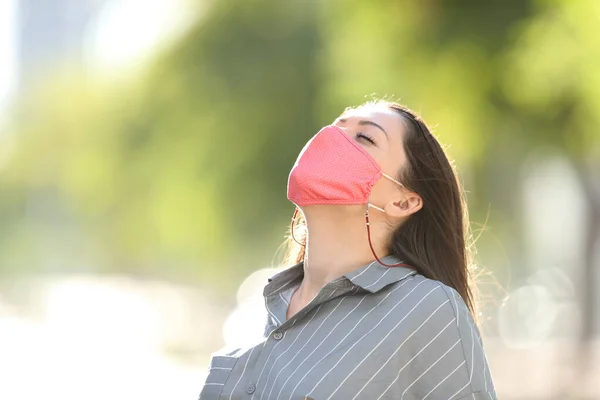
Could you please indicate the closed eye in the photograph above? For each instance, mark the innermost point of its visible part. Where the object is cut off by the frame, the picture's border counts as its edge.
(365, 137)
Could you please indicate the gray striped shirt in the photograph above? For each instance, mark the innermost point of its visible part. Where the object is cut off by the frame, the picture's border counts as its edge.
(374, 333)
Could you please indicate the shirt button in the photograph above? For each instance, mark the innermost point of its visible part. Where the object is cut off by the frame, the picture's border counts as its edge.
(250, 389)
(278, 335)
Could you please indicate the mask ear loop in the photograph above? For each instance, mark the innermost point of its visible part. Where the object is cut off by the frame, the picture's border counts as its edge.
(371, 244)
(292, 227)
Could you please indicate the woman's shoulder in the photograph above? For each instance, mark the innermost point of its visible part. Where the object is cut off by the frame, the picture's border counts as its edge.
(439, 327)
(430, 298)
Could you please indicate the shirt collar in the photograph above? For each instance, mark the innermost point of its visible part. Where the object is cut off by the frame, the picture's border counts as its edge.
(374, 276)
(371, 277)
(284, 279)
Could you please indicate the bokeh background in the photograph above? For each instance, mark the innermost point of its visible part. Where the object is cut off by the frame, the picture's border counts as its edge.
(144, 153)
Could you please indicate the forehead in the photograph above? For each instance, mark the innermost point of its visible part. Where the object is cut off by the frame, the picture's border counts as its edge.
(390, 120)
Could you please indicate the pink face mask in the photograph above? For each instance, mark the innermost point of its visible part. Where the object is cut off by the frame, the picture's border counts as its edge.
(334, 169)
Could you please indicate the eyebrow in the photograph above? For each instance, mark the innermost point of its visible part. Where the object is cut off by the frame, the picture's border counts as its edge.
(364, 122)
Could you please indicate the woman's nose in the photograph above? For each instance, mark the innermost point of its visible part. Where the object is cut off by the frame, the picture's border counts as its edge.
(343, 129)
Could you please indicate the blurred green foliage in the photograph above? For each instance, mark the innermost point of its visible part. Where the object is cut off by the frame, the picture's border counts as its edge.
(181, 172)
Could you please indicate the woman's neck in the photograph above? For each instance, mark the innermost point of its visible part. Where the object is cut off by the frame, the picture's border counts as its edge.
(336, 244)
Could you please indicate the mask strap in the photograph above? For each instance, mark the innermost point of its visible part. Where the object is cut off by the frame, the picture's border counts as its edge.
(375, 207)
(292, 227)
(371, 244)
(391, 179)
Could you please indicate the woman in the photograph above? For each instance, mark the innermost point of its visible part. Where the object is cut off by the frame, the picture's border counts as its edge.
(378, 305)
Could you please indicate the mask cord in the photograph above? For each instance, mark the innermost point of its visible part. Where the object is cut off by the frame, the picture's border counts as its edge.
(373, 250)
(368, 236)
(292, 227)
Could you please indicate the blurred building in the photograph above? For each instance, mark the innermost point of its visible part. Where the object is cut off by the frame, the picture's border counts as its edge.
(51, 33)
(96, 35)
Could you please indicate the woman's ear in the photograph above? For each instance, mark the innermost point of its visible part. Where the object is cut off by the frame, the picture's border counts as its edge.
(405, 205)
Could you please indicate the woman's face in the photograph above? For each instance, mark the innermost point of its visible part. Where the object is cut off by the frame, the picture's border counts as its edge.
(380, 132)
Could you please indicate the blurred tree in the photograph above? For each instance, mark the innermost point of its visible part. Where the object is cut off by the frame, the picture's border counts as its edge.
(187, 166)
(183, 171)
(552, 84)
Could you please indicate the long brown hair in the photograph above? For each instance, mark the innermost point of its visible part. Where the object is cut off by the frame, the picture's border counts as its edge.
(436, 240)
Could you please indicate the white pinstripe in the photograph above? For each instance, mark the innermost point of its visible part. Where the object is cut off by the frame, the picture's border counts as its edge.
(362, 337)
(386, 336)
(243, 372)
(484, 358)
(461, 389)
(409, 361)
(472, 355)
(443, 380)
(319, 345)
(484, 371)
(352, 330)
(284, 300)
(464, 309)
(290, 346)
(375, 335)
(302, 348)
(431, 366)
(365, 270)
(267, 362)
(286, 285)
(348, 334)
(472, 360)
(277, 344)
(271, 313)
(382, 275)
(456, 307)
(489, 372)
(267, 305)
